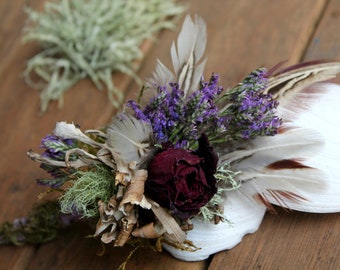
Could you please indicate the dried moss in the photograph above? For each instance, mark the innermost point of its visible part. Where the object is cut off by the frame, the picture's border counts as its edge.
(90, 38)
(82, 197)
(41, 225)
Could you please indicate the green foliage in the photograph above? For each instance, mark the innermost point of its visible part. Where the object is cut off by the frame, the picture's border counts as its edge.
(90, 38)
(82, 197)
(41, 225)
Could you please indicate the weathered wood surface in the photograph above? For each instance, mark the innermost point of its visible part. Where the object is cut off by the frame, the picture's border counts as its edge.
(242, 35)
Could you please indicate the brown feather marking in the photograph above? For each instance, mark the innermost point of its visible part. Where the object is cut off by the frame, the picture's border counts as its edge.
(289, 195)
(277, 70)
(278, 195)
(277, 198)
(287, 164)
(262, 199)
(284, 128)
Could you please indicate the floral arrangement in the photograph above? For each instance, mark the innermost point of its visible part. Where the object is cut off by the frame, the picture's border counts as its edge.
(191, 156)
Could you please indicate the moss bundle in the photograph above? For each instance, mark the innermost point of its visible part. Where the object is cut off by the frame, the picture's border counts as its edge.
(81, 198)
(90, 38)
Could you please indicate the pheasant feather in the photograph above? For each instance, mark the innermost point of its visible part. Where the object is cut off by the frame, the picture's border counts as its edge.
(296, 81)
(298, 168)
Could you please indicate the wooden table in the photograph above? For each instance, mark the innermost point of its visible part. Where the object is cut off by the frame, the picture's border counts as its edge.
(242, 35)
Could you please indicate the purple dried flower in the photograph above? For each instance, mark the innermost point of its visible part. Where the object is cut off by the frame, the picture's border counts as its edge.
(59, 175)
(178, 120)
(137, 110)
(247, 112)
(56, 147)
(163, 111)
(251, 112)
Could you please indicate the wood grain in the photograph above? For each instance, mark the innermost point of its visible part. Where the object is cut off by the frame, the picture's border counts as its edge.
(242, 35)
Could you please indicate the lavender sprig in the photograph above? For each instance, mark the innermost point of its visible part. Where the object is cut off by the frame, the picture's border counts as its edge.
(178, 120)
(163, 111)
(41, 225)
(56, 148)
(248, 112)
(202, 110)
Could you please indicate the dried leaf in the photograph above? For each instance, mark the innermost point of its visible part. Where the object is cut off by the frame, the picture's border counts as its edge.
(149, 231)
(135, 191)
(169, 223)
(108, 237)
(105, 220)
(127, 225)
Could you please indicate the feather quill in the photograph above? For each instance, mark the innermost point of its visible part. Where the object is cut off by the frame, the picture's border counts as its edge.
(186, 55)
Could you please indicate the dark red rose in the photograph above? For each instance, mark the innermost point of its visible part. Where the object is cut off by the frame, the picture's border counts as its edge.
(183, 180)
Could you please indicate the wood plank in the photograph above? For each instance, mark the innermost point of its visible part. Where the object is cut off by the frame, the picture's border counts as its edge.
(325, 43)
(243, 36)
(13, 156)
(289, 241)
(73, 251)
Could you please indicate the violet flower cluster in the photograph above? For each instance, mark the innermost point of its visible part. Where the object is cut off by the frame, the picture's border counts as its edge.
(243, 112)
(55, 149)
(181, 120)
(250, 112)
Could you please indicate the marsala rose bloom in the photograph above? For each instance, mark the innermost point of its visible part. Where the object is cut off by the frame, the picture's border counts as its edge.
(181, 180)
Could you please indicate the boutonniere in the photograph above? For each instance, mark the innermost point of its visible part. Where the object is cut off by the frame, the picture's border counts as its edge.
(192, 166)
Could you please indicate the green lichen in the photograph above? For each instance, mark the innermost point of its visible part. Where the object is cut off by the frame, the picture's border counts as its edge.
(227, 178)
(82, 196)
(90, 38)
(226, 181)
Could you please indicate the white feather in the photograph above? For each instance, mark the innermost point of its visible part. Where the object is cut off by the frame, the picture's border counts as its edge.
(161, 76)
(186, 57)
(129, 137)
(290, 180)
(191, 44)
(323, 115)
(315, 187)
(293, 143)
